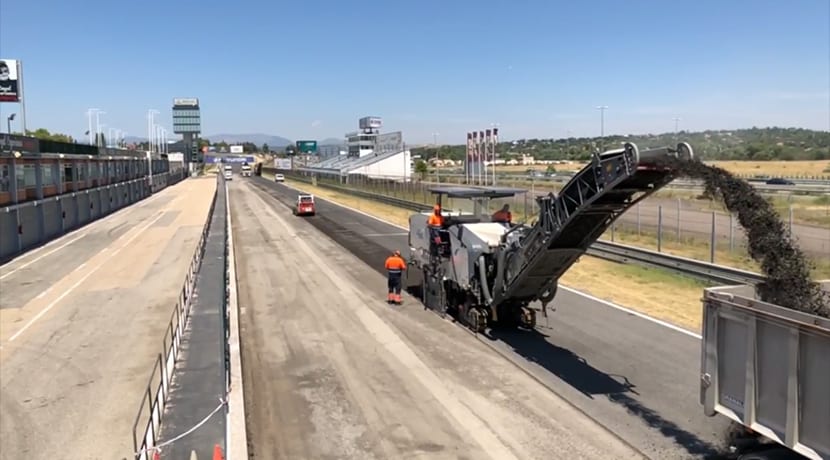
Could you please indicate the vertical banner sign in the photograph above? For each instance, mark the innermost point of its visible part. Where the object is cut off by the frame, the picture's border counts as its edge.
(468, 159)
(9, 81)
(495, 143)
(474, 169)
(482, 158)
(489, 150)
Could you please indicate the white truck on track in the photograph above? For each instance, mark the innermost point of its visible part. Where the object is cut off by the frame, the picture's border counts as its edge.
(246, 170)
(767, 368)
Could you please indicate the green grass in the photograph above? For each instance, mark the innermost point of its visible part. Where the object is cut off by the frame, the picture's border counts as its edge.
(645, 275)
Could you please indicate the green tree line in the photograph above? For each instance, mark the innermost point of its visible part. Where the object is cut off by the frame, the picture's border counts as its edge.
(756, 144)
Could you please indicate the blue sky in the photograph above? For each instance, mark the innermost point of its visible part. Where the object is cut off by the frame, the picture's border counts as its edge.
(310, 69)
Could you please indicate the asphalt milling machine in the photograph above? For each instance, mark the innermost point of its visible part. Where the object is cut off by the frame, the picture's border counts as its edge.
(488, 274)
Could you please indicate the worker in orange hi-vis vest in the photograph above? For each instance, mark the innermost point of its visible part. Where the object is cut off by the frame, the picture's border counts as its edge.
(503, 215)
(395, 266)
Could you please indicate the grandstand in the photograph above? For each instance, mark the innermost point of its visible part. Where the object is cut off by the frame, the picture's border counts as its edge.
(370, 153)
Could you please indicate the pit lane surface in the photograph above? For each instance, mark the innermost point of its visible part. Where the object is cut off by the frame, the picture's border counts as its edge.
(638, 378)
(82, 321)
(332, 371)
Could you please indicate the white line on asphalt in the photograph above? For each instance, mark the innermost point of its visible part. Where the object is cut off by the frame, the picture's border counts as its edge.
(84, 278)
(236, 435)
(587, 296)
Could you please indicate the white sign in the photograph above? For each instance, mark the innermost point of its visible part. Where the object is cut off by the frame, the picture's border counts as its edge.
(188, 101)
(282, 163)
(236, 149)
(175, 157)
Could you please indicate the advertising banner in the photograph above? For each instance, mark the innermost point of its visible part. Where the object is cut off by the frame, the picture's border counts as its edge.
(9, 81)
(228, 159)
(236, 149)
(282, 163)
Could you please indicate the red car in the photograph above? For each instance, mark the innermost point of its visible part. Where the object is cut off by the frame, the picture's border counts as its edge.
(305, 206)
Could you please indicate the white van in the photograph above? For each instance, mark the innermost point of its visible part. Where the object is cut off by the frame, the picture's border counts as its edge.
(228, 173)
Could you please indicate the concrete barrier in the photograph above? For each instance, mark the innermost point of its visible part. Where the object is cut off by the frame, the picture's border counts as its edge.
(27, 225)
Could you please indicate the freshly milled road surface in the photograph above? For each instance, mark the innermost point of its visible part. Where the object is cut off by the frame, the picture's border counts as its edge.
(81, 323)
(332, 371)
(638, 378)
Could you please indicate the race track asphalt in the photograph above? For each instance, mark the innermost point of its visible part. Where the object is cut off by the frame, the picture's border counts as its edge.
(636, 377)
(332, 371)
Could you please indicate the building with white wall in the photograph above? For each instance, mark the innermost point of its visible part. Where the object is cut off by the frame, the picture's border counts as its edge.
(370, 153)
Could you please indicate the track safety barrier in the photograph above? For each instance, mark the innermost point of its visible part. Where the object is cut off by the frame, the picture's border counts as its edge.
(146, 427)
(717, 274)
(26, 225)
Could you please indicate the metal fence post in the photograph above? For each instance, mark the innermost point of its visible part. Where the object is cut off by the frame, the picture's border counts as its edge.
(791, 218)
(713, 240)
(638, 219)
(659, 228)
(731, 233)
(678, 219)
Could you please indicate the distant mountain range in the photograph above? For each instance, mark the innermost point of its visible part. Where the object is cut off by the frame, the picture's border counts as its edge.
(258, 139)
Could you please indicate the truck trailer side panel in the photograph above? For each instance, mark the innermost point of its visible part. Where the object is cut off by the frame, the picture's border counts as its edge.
(768, 368)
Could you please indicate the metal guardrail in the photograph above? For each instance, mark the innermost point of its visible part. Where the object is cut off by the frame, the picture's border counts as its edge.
(706, 271)
(159, 382)
(616, 252)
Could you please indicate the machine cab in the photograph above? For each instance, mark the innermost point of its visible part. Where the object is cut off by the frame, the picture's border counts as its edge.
(470, 209)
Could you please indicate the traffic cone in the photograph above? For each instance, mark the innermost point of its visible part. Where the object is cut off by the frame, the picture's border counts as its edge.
(156, 455)
(217, 453)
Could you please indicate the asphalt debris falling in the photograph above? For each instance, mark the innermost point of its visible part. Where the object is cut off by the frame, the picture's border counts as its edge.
(787, 269)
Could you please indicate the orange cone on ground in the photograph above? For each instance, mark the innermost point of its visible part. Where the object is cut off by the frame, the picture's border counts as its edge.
(217, 453)
(156, 455)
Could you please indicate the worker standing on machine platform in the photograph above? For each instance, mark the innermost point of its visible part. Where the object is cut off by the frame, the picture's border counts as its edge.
(435, 223)
(503, 215)
(436, 219)
(395, 266)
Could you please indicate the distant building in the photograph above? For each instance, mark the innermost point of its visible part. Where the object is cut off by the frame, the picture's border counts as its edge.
(369, 153)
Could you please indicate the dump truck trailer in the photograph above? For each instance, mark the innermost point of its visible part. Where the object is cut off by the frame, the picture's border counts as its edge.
(767, 368)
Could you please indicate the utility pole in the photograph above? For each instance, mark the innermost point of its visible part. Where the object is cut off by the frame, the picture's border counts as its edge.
(98, 125)
(676, 120)
(602, 109)
(90, 134)
(435, 145)
(150, 137)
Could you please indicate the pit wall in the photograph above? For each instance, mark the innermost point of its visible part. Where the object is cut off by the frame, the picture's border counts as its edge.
(26, 225)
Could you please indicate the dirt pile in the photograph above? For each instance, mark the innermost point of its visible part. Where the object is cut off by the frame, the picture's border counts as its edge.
(769, 240)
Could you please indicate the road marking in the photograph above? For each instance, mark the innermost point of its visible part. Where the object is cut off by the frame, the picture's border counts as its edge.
(588, 296)
(84, 278)
(635, 313)
(87, 230)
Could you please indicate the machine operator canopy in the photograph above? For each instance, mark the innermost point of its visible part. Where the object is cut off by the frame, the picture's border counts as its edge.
(477, 192)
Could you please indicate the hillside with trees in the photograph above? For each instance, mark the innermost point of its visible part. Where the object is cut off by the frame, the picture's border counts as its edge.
(756, 144)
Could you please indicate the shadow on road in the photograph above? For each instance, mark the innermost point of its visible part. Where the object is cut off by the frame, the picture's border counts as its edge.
(577, 372)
